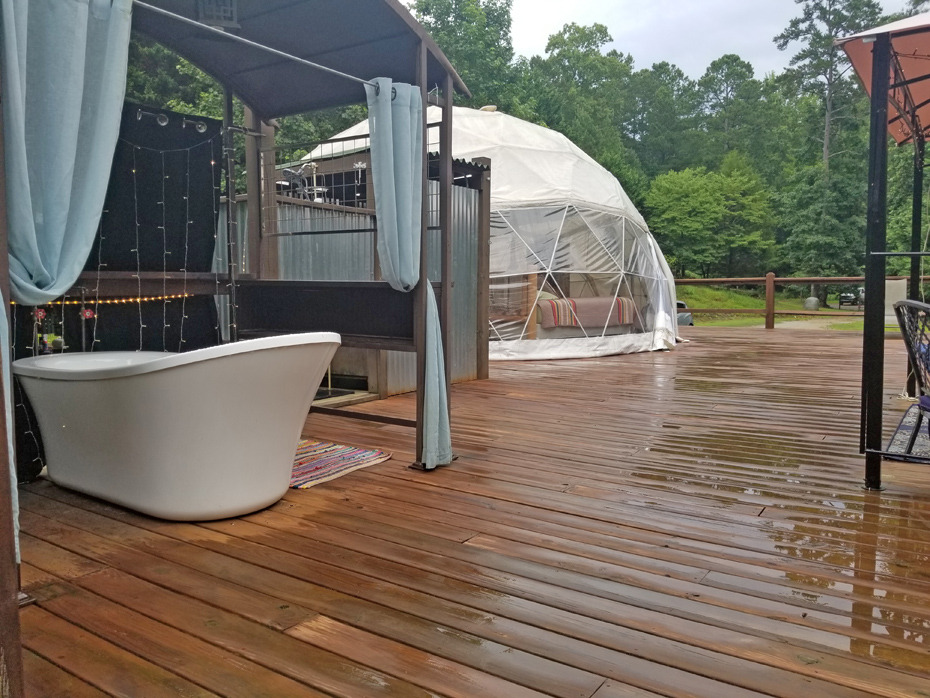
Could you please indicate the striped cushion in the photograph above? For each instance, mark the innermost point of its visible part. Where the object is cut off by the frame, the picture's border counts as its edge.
(590, 313)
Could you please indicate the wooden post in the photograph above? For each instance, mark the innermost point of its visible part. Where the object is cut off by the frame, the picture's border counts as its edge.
(11, 658)
(770, 301)
(419, 308)
(484, 269)
(253, 179)
(270, 268)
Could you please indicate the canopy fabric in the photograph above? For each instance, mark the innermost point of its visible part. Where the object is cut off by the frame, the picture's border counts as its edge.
(64, 77)
(910, 43)
(363, 38)
(395, 116)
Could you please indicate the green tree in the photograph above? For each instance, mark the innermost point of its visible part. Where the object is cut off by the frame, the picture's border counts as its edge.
(824, 223)
(713, 223)
(578, 90)
(820, 65)
(747, 229)
(684, 209)
(729, 94)
(662, 119)
(475, 36)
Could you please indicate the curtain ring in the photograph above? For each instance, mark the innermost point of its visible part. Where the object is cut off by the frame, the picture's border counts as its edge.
(377, 89)
(393, 93)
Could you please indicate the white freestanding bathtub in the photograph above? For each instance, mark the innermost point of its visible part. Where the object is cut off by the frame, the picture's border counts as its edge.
(203, 435)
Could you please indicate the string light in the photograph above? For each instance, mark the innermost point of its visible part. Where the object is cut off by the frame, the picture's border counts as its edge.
(217, 259)
(100, 266)
(116, 301)
(138, 275)
(229, 153)
(61, 323)
(140, 298)
(187, 228)
(164, 259)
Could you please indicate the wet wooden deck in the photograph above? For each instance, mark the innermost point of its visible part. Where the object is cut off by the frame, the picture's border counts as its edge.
(684, 524)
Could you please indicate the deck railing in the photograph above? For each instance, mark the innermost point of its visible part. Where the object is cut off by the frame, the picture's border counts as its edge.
(770, 281)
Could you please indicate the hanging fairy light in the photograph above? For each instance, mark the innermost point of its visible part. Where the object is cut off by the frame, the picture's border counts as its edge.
(138, 274)
(42, 313)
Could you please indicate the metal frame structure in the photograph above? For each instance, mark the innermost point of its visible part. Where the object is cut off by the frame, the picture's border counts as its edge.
(891, 62)
(260, 64)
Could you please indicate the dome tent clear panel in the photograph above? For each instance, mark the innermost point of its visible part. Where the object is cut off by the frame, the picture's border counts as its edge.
(573, 281)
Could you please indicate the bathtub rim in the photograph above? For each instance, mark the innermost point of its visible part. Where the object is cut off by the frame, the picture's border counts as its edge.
(32, 367)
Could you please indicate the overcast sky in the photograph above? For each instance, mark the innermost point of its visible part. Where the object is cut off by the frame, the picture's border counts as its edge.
(688, 33)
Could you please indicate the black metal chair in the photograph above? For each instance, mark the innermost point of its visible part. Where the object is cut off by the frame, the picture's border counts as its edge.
(914, 320)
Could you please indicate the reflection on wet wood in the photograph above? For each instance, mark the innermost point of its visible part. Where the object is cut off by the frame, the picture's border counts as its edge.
(685, 524)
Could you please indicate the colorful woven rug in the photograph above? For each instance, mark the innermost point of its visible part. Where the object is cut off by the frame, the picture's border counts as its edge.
(322, 461)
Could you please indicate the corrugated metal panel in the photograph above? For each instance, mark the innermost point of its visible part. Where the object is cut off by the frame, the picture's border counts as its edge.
(350, 257)
(337, 257)
(401, 366)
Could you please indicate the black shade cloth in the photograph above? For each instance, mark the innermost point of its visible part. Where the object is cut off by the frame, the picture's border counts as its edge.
(164, 187)
(176, 163)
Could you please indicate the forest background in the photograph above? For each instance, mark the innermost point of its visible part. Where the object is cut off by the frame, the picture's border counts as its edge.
(737, 174)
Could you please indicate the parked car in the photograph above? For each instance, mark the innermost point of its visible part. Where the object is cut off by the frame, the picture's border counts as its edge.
(852, 298)
(684, 318)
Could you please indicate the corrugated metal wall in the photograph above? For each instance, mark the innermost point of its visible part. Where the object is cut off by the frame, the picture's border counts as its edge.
(402, 373)
(337, 257)
(350, 257)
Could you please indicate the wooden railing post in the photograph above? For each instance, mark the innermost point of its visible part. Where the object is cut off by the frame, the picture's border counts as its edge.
(770, 301)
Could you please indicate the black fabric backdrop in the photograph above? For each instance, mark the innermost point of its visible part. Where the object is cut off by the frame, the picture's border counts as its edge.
(174, 164)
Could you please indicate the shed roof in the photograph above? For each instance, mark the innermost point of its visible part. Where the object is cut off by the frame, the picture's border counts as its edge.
(532, 165)
(364, 38)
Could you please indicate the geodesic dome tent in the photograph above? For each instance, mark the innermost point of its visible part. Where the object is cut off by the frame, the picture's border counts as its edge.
(574, 270)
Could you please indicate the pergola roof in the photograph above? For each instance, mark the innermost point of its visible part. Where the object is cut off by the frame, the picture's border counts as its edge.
(910, 77)
(363, 38)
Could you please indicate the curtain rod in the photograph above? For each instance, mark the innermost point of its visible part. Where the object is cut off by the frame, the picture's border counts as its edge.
(253, 44)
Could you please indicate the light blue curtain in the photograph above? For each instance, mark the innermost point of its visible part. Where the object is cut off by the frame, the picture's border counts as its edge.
(64, 78)
(395, 120)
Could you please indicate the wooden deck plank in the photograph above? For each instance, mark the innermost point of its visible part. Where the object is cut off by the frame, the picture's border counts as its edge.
(254, 605)
(213, 668)
(451, 679)
(763, 574)
(414, 502)
(261, 652)
(95, 661)
(45, 680)
(55, 560)
(666, 525)
(682, 584)
(150, 600)
(644, 674)
(613, 689)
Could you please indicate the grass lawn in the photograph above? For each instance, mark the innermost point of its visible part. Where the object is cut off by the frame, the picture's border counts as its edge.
(732, 299)
(856, 326)
(729, 320)
(725, 320)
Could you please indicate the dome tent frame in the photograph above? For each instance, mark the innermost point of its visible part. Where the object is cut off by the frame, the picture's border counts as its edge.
(540, 170)
(595, 256)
